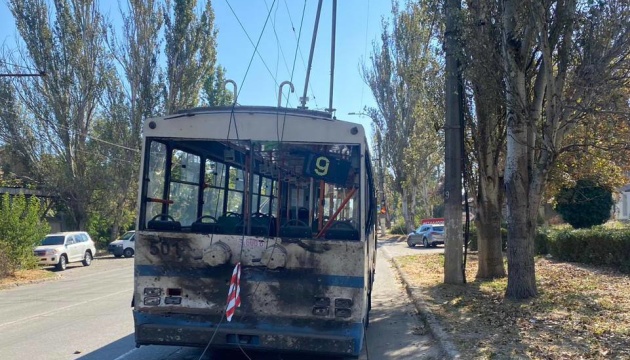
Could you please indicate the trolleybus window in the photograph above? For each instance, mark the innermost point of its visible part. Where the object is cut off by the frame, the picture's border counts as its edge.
(155, 179)
(214, 189)
(184, 187)
(313, 190)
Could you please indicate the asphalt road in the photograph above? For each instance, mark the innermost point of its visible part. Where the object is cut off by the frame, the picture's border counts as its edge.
(86, 314)
(397, 246)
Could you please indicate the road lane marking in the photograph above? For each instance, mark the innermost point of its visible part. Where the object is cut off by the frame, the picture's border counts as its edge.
(126, 354)
(63, 308)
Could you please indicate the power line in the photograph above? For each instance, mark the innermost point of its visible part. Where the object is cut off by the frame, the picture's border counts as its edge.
(273, 24)
(41, 73)
(367, 22)
(21, 66)
(233, 119)
(256, 52)
(86, 134)
(297, 38)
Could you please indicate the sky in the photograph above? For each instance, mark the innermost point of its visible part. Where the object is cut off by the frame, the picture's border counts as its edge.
(358, 25)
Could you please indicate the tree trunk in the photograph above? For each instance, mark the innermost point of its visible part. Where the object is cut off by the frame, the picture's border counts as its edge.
(488, 224)
(409, 226)
(518, 169)
(115, 229)
(521, 274)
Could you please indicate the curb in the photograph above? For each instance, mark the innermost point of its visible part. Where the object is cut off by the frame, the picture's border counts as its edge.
(442, 337)
(29, 282)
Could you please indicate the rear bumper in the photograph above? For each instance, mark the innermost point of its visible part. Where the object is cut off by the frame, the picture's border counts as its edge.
(263, 336)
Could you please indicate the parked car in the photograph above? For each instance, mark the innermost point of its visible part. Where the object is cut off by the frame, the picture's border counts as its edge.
(62, 248)
(427, 235)
(124, 246)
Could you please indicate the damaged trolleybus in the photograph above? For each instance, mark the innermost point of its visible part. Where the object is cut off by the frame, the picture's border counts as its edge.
(288, 195)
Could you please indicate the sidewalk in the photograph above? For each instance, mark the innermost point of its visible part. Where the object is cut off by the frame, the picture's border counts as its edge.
(415, 293)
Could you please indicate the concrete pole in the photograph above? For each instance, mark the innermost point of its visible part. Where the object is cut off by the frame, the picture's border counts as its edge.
(381, 181)
(453, 253)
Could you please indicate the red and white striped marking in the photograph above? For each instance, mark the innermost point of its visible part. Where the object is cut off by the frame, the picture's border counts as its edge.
(234, 295)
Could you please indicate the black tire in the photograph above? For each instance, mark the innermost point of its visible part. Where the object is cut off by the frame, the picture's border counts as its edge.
(425, 242)
(118, 256)
(62, 264)
(128, 252)
(410, 244)
(87, 258)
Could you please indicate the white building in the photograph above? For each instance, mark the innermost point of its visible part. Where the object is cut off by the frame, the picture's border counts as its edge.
(622, 207)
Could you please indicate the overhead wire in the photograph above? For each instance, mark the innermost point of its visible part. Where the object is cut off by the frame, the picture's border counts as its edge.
(19, 66)
(278, 43)
(233, 120)
(280, 137)
(86, 134)
(310, 85)
(256, 52)
(367, 22)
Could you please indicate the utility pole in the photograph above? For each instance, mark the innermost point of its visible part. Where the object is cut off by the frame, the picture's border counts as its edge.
(453, 253)
(381, 183)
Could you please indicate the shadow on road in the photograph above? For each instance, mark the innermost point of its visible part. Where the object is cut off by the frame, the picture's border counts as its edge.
(112, 350)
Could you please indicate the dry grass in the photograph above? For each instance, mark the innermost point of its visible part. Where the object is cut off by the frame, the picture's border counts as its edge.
(581, 312)
(21, 277)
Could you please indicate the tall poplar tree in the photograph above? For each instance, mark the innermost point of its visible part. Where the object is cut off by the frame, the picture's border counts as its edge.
(190, 49)
(68, 44)
(481, 57)
(561, 59)
(403, 77)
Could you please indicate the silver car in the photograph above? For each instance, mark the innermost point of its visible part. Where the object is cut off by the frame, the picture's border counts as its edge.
(427, 235)
(66, 247)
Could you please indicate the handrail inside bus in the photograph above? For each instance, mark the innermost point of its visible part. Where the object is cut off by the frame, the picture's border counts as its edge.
(332, 219)
(161, 201)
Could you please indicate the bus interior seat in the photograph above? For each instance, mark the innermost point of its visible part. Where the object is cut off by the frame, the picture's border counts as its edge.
(342, 230)
(299, 213)
(316, 224)
(199, 226)
(261, 225)
(296, 229)
(227, 223)
(164, 222)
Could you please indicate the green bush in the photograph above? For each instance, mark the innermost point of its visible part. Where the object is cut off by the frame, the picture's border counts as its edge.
(21, 229)
(473, 239)
(541, 241)
(398, 229)
(100, 230)
(584, 205)
(609, 247)
(6, 266)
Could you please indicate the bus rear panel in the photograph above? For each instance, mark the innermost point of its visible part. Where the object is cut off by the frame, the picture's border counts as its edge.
(297, 214)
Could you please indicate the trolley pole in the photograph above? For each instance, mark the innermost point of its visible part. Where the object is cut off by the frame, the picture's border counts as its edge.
(453, 253)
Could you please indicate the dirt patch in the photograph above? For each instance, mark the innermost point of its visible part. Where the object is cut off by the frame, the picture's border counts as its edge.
(22, 277)
(581, 312)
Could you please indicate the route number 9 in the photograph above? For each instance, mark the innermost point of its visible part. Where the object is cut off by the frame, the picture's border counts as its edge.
(321, 166)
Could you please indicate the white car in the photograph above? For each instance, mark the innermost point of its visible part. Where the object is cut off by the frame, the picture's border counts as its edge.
(66, 247)
(125, 246)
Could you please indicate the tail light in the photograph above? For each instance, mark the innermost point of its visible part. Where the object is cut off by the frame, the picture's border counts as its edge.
(151, 301)
(343, 307)
(321, 306)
